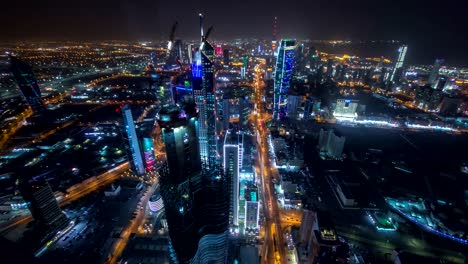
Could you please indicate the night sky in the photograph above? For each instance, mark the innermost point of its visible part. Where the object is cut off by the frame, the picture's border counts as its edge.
(433, 29)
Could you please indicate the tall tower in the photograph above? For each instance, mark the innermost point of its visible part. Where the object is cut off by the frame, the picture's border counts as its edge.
(433, 77)
(232, 163)
(283, 76)
(43, 205)
(396, 73)
(27, 83)
(196, 197)
(133, 146)
(273, 41)
(204, 97)
(180, 179)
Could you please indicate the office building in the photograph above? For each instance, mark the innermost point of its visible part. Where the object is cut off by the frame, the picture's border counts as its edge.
(283, 76)
(345, 109)
(233, 151)
(235, 107)
(252, 209)
(204, 96)
(226, 60)
(27, 83)
(293, 104)
(434, 75)
(180, 180)
(245, 63)
(133, 144)
(42, 204)
(330, 145)
(196, 196)
(145, 136)
(397, 70)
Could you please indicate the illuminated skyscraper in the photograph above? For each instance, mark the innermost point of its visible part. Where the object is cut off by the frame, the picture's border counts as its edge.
(232, 162)
(196, 197)
(397, 70)
(204, 96)
(433, 77)
(27, 83)
(180, 179)
(133, 146)
(283, 76)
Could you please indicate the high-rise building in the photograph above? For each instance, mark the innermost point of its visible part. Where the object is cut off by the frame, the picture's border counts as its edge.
(283, 76)
(27, 83)
(133, 145)
(144, 134)
(252, 209)
(331, 145)
(196, 197)
(205, 100)
(293, 104)
(42, 204)
(345, 109)
(226, 57)
(397, 70)
(180, 181)
(245, 62)
(235, 106)
(434, 75)
(232, 162)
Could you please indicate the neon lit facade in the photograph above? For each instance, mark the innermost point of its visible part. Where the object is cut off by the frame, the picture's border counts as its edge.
(148, 152)
(400, 61)
(134, 150)
(283, 76)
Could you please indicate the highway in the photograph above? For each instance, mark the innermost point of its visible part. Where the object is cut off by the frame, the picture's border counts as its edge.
(273, 250)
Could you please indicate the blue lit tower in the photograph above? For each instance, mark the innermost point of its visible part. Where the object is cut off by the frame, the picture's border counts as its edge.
(204, 97)
(27, 83)
(133, 145)
(283, 76)
(396, 73)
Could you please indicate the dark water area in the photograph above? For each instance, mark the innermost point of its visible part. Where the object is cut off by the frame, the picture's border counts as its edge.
(417, 54)
(387, 50)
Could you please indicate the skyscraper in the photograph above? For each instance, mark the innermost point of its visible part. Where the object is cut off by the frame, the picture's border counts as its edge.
(232, 163)
(205, 100)
(397, 70)
(42, 204)
(196, 197)
(180, 179)
(133, 146)
(433, 77)
(226, 57)
(283, 76)
(27, 83)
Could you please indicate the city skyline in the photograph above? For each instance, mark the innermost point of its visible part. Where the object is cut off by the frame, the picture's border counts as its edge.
(415, 25)
(267, 150)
